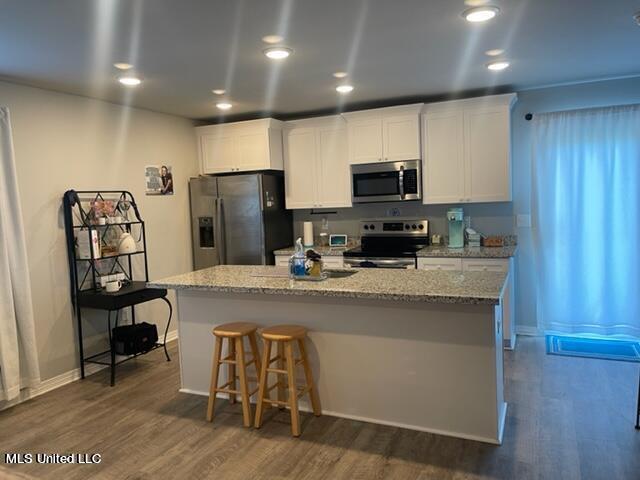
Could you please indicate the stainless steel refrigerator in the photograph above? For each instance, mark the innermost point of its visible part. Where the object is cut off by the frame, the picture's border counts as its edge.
(238, 219)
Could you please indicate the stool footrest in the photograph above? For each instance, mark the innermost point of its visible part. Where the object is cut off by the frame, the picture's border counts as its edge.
(275, 402)
(226, 384)
(228, 390)
(249, 379)
(228, 359)
(271, 387)
(277, 370)
(237, 392)
(277, 357)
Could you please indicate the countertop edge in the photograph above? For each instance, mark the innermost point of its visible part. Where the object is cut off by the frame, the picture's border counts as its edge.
(431, 251)
(468, 252)
(336, 252)
(445, 299)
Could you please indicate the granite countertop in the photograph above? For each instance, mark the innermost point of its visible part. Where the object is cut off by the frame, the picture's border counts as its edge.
(469, 252)
(376, 284)
(324, 251)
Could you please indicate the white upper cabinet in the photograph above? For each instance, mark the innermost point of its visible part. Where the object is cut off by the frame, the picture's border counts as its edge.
(217, 152)
(487, 154)
(365, 141)
(401, 137)
(443, 177)
(334, 181)
(384, 134)
(467, 152)
(241, 146)
(316, 164)
(301, 176)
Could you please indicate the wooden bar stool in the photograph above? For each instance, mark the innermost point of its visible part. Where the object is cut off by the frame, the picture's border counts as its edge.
(285, 336)
(235, 333)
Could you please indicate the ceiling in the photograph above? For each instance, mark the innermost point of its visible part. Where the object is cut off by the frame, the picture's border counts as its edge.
(392, 49)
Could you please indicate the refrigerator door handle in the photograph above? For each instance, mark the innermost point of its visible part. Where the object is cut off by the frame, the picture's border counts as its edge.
(222, 254)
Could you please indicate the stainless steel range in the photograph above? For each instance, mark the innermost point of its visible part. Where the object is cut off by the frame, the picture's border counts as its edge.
(389, 244)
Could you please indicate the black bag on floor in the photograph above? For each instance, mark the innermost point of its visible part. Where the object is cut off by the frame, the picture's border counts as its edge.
(132, 339)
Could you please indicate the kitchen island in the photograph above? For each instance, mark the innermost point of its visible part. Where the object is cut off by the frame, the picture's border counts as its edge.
(414, 349)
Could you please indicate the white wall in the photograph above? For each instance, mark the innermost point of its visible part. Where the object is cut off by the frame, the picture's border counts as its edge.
(586, 95)
(65, 141)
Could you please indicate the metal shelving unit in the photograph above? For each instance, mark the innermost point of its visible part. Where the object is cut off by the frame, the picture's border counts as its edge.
(80, 215)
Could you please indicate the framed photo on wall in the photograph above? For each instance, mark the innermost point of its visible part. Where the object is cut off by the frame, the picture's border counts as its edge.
(158, 180)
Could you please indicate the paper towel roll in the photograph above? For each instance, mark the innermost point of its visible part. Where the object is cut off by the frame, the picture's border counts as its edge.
(308, 234)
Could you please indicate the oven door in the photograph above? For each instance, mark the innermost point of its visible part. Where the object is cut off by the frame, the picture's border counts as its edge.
(370, 262)
(386, 182)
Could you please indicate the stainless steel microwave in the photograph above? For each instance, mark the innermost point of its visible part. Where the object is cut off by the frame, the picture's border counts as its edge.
(386, 182)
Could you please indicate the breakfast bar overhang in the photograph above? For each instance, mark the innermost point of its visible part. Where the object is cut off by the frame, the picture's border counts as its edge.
(415, 349)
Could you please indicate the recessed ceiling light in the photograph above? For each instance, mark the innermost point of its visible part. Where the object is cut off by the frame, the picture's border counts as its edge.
(219, 91)
(495, 52)
(480, 14)
(344, 88)
(636, 17)
(123, 66)
(497, 66)
(130, 80)
(272, 39)
(277, 53)
(224, 105)
(340, 74)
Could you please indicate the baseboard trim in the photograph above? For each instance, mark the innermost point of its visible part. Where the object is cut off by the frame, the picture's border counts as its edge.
(172, 335)
(64, 379)
(527, 331)
(502, 421)
(447, 433)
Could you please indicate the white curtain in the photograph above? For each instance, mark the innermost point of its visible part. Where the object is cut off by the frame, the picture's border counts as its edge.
(18, 352)
(586, 209)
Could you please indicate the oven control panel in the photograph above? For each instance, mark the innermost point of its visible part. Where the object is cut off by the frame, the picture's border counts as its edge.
(395, 227)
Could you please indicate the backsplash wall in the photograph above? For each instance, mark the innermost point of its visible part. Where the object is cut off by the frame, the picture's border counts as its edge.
(486, 218)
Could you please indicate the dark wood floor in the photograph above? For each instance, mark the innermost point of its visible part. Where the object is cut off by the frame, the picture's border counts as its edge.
(568, 418)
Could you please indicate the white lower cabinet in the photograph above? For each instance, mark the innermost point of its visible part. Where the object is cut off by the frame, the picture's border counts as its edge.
(451, 264)
(282, 260)
(328, 261)
(483, 265)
